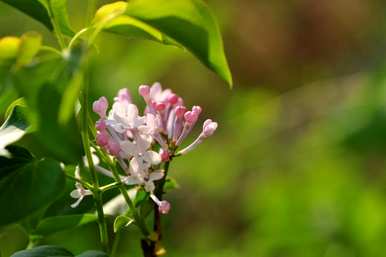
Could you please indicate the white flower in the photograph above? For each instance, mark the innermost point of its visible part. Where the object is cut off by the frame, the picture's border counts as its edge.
(139, 150)
(124, 116)
(80, 192)
(146, 179)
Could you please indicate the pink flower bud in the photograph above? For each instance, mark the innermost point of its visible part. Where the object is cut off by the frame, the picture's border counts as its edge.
(113, 147)
(180, 101)
(102, 138)
(209, 128)
(180, 111)
(160, 106)
(172, 99)
(100, 106)
(144, 90)
(164, 155)
(164, 207)
(123, 96)
(191, 117)
(100, 125)
(197, 110)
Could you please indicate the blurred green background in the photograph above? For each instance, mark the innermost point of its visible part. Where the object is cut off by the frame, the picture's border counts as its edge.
(297, 168)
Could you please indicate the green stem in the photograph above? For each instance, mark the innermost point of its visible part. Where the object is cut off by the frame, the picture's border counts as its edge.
(96, 192)
(137, 217)
(50, 49)
(84, 183)
(139, 221)
(109, 186)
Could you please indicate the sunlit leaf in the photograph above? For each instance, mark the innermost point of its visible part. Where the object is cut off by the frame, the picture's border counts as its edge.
(184, 23)
(13, 129)
(29, 47)
(9, 47)
(59, 11)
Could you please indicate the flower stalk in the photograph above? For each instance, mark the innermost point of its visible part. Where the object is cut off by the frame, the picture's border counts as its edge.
(97, 193)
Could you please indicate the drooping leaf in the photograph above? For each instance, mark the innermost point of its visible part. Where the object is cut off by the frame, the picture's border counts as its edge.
(40, 11)
(122, 221)
(184, 23)
(28, 185)
(55, 224)
(13, 128)
(50, 109)
(44, 251)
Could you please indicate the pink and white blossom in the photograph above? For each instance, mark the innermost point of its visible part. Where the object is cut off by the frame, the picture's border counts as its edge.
(141, 142)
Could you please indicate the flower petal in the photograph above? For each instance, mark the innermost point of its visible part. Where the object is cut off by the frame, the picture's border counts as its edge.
(132, 180)
(154, 157)
(156, 175)
(149, 186)
(75, 193)
(74, 205)
(129, 148)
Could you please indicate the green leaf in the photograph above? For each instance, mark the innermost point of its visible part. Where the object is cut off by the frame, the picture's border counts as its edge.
(55, 251)
(70, 96)
(13, 129)
(93, 253)
(44, 251)
(20, 157)
(122, 221)
(40, 10)
(170, 184)
(55, 224)
(50, 104)
(28, 185)
(34, 8)
(9, 47)
(140, 197)
(59, 11)
(29, 46)
(184, 23)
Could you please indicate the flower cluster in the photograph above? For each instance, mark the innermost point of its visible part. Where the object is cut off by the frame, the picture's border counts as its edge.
(141, 144)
